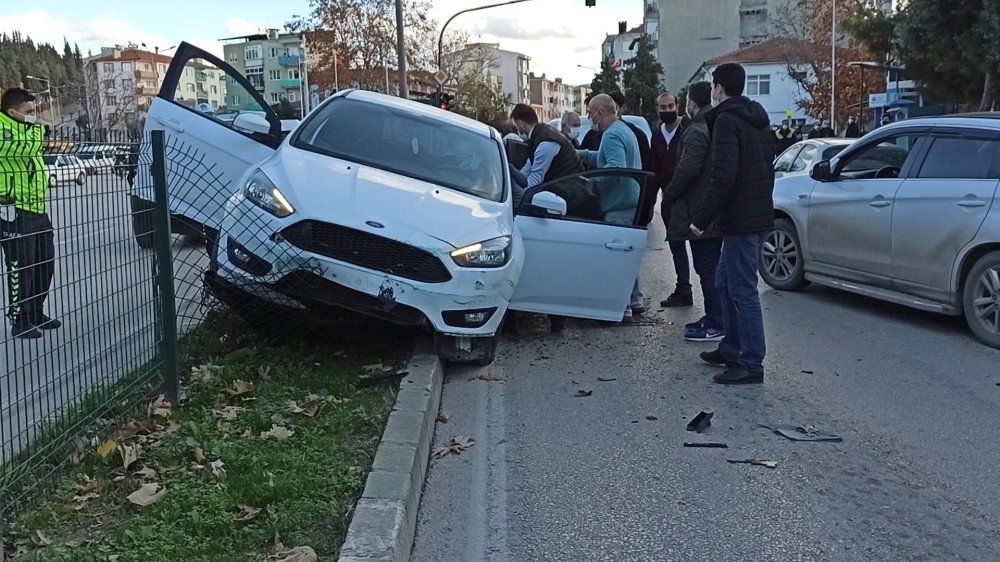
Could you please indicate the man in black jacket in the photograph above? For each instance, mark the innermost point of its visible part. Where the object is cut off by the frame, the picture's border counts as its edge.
(739, 201)
(682, 195)
(666, 145)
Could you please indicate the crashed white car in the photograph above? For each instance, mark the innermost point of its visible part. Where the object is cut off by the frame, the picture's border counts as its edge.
(402, 211)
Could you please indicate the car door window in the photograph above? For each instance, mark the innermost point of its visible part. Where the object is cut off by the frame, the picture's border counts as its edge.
(787, 158)
(804, 158)
(608, 196)
(961, 158)
(882, 160)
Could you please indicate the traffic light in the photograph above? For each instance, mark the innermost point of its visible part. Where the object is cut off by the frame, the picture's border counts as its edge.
(590, 3)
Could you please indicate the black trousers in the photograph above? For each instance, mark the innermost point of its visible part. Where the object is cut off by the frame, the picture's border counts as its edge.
(29, 255)
(706, 253)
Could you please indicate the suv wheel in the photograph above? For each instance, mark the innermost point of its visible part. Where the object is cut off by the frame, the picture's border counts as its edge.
(981, 299)
(780, 258)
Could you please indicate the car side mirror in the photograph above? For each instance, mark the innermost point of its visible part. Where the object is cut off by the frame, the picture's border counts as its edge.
(550, 203)
(252, 122)
(821, 171)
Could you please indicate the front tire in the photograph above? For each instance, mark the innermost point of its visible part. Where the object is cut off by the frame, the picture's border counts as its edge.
(779, 258)
(981, 299)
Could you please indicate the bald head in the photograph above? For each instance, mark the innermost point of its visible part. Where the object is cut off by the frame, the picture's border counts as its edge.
(603, 111)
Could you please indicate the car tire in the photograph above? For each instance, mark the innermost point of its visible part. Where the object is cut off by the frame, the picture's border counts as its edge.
(81, 178)
(981, 299)
(142, 222)
(779, 258)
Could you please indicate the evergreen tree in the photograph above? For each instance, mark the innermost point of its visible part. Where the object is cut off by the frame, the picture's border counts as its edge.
(642, 78)
(606, 81)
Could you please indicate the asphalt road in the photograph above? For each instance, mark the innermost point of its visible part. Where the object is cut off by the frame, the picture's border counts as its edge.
(605, 477)
(103, 293)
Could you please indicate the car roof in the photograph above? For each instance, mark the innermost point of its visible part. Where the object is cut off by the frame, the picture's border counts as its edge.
(422, 109)
(982, 120)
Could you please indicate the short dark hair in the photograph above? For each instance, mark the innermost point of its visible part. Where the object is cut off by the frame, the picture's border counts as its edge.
(15, 96)
(732, 77)
(700, 93)
(619, 98)
(523, 112)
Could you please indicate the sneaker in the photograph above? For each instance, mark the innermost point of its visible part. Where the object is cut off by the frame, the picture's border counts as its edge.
(43, 322)
(704, 334)
(638, 309)
(25, 330)
(696, 324)
(739, 375)
(715, 358)
(678, 299)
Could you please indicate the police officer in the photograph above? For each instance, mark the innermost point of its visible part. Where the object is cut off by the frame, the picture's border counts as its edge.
(28, 247)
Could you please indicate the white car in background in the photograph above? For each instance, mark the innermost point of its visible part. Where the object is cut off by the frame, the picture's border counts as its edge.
(98, 158)
(392, 209)
(64, 169)
(798, 159)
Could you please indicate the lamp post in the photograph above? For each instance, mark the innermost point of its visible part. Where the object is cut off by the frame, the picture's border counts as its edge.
(455, 15)
(833, 69)
(48, 90)
(404, 87)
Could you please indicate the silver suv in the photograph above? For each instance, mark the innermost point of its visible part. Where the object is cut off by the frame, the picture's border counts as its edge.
(908, 214)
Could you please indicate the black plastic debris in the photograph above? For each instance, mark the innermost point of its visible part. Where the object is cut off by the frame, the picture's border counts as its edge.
(707, 445)
(804, 433)
(807, 372)
(651, 418)
(583, 393)
(606, 380)
(755, 462)
(701, 421)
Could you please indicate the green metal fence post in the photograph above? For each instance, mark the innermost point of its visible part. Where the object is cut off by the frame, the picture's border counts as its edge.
(165, 271)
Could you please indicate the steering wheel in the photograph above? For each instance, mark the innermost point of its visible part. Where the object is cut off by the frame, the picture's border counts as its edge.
(887, 172)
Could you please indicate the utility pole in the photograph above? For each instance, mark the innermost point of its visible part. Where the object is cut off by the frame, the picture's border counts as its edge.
(833, 70)
(404, 87)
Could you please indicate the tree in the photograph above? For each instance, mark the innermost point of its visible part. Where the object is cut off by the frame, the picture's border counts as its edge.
(951, 47)
(643, 77)
(606, 80)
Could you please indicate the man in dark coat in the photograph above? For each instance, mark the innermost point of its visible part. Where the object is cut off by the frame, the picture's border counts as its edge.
(666, 145)
(739, 201)
(681, 197)
(784, 137)
(853, 129)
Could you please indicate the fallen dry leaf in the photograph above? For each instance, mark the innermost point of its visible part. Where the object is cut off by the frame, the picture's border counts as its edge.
(229, 413)
(249, 513)
(204, 373)
(130, 454)
(297, 554)
(240, 388)
(160, 407)
(147, 494)
(147, 472)
(199, 454)
(376, 368)
(40, 539)
(87, 486)
(309, 408)
(278, 433)
(79, 451)
(455, 446)
(106, 448)
(216, 469)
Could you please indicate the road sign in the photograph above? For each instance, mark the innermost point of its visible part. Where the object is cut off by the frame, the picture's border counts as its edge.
(441, 76)
(789, 113)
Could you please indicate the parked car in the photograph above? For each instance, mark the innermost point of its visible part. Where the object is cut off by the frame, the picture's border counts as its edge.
(799, 158)
(64, 168)
(907, 214)
(98, 158)
(585, 125)
(393, 209)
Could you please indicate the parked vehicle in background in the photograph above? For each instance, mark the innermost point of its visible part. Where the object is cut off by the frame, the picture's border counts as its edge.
(64, 169)
(799, 158)
(907, 214)
(98, 158)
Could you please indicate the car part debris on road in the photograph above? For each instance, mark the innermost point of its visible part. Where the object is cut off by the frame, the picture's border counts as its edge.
(707, 445)
(755, 462)
(701, 421)
(804, 433)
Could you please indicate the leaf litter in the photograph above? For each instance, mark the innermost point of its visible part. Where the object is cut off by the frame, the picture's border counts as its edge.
(455, 446)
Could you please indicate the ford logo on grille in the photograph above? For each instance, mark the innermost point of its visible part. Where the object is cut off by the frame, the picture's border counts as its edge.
(374, 224)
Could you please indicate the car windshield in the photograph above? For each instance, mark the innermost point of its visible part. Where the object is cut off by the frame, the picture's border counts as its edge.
(832, 151)
(407, 143)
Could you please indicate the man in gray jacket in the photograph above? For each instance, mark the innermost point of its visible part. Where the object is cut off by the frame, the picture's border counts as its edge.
(682, 196)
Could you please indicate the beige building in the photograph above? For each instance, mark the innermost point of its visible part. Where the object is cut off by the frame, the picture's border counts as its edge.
(507, 70)
(548, 96)
(121, 83)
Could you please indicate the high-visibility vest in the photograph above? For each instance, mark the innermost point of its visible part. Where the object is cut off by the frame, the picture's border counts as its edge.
(23, 176)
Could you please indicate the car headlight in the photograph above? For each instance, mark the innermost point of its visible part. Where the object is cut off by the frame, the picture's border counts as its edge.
(492, 253)
(261, 191)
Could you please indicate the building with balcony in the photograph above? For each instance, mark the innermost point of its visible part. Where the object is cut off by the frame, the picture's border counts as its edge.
(273, 63)
(201, 83)
(622, 46)
(509, 70)
(121, 82)
(548, 96)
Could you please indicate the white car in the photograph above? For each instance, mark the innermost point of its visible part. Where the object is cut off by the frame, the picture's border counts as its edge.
(98, 158)
(396, 210)
(64, 168)
(798, 159)
(585, 125)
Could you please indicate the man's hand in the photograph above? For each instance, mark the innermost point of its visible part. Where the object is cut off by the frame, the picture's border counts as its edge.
(697, 231)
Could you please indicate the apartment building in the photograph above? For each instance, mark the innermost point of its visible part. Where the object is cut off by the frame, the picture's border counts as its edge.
(622, 46)
(547, 96)
(121, 82)
(272, 62)
(200, 84)
(508, 70)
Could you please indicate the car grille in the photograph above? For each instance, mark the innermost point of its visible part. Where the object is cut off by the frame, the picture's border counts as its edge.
(367, 250)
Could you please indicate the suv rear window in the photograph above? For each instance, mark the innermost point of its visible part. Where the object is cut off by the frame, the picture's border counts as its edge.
(406, 143)
(960, 158)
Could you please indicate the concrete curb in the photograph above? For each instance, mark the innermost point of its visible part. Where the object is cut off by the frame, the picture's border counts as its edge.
(385, 518)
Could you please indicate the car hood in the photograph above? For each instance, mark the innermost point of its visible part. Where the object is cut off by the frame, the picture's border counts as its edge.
(328, 189)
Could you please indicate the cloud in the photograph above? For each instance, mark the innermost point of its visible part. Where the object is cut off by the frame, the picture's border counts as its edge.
(104, 31)
(240, 26)
(505, 28)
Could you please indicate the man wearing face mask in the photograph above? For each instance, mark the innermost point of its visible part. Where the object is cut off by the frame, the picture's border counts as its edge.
(853, 130)
(28, 247)
(571, 127)
(785, 138)
(666, 146)
(826, 131)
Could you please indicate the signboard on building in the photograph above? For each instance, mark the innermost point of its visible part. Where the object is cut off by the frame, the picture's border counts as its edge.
(878, 100)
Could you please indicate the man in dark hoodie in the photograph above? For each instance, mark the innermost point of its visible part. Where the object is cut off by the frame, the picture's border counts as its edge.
(738, 199)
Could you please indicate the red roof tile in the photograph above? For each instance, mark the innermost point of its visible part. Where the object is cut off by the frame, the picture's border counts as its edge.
(778, 49)
(135, 54)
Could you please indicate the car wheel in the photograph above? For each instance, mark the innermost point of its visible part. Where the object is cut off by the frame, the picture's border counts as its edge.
(780, 258)
(981, 299)
(80, 179)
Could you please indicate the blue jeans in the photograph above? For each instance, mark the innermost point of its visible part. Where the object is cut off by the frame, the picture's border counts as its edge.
(742, 317)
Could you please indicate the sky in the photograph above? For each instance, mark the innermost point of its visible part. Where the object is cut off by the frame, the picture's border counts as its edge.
(557, 35)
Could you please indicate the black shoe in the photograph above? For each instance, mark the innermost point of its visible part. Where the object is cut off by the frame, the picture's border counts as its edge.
(43, 322)
(25, 330)
(557, 324)
(678, 299)
(715, 358)
(739, 375)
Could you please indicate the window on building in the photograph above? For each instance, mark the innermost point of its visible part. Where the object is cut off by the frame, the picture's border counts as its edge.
(272, 52)
(759, 85)
(127, 84)
(146, 66)
(110, 100)
(214, 89)
(275, 97)
(233, 57)
(256, 77)
(109, 84)
(292, 96)
(126, 67)
(109, 67)
(236, 100)
(252, 52)
(150, 84)
(293, 74)
(190, 87)
(274, 75)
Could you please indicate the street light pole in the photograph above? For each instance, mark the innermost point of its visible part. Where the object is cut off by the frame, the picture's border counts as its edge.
(404, 87)
(833, 70)
(48, 90)
(455, 15)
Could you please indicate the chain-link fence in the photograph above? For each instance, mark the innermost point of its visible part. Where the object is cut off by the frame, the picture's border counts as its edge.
(88, 325)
